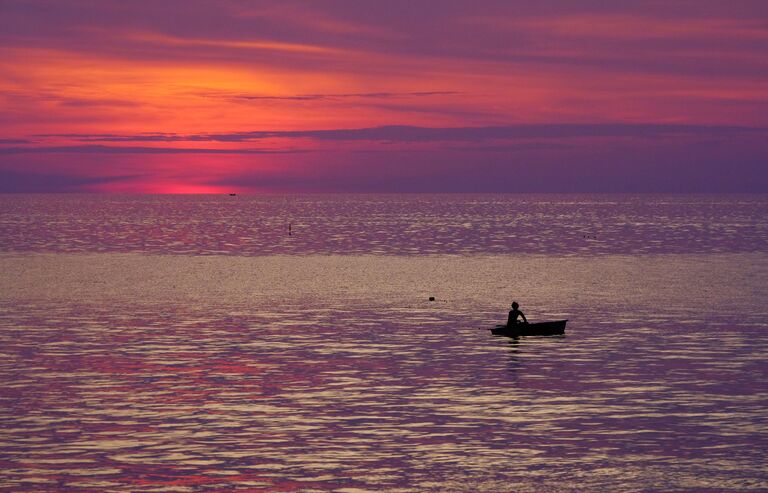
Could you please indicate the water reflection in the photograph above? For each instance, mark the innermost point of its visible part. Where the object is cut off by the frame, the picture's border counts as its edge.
(333, 397)
(385, 224)
(514, 355)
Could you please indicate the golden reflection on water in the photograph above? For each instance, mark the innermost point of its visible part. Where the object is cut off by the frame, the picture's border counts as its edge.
(387, 392)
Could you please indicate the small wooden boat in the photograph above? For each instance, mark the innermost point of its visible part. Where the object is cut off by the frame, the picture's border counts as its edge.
(554, 328)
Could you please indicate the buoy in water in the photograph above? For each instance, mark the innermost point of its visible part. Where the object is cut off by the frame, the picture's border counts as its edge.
(431, 298)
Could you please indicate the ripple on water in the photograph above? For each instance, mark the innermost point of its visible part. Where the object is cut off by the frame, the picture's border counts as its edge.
(385, 224)
(375, 390)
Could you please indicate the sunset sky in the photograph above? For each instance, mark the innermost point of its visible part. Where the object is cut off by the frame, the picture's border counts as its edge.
(176, 96)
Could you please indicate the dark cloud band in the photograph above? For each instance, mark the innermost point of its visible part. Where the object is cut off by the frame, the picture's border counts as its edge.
(407, 133)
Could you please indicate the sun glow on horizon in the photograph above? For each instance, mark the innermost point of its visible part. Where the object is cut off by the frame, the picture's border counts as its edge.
(134, 101)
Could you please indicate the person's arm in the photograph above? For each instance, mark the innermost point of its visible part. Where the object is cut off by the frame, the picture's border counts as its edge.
(525, 320)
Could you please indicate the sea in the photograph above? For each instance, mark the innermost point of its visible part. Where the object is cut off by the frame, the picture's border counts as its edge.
(287, 343)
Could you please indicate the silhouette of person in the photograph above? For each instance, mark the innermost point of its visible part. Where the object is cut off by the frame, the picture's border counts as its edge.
(514, 313)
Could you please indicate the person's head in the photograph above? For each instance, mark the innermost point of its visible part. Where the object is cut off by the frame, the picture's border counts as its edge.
(515, 305)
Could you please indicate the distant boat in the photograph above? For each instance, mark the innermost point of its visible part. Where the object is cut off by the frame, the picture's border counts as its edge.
(554, 328)
(232, 194)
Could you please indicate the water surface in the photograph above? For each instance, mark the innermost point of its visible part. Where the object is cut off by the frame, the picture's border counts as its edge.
(385, 224)
(142, 368)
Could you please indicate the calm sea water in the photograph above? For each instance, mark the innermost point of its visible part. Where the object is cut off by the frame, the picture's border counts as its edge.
(188, 343)
(385, 224)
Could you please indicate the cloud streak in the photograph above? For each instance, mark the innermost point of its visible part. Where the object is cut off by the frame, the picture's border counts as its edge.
(409, 133)
(335, 97)
(407, 94)
(24, 182)
(104, 149)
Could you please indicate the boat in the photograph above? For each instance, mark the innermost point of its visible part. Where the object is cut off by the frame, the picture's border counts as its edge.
(553, 328)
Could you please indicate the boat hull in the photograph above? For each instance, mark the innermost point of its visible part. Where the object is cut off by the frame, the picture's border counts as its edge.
(538, 329)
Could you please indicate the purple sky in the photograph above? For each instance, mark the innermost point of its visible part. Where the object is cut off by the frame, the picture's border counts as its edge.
(250, 96)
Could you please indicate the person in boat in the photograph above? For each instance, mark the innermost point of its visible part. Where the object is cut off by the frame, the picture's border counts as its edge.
(514, 313)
